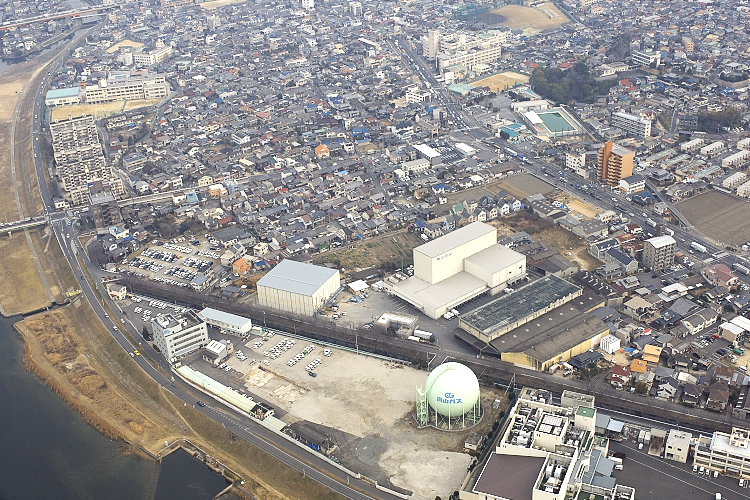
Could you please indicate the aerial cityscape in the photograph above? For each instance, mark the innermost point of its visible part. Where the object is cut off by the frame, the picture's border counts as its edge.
(323, 249)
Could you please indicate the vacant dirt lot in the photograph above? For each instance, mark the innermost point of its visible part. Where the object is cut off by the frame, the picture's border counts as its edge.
(501, 81)
(524, 185)
(102, 110)
(124, 43)
(546, 16)
(719, 216)
(554, 237)
(391, 249)
(23, 290)
(371, 401)
(73, 353)
(577, 205)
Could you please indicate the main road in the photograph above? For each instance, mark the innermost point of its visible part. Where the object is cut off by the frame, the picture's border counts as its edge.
(67, 235)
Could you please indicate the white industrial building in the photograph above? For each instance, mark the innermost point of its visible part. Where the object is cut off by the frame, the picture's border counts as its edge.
(677, 446)
(227, 322)
(428, 153)
(298, 288)
(547, 452)
(457, 267)
(179, 335)
(610, 344)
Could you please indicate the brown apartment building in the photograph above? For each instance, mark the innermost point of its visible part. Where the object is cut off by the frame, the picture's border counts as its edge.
(614, 163)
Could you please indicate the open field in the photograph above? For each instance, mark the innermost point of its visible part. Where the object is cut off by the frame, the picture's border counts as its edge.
(124, 43)
(102, 110)
(215, 4)
(554, 237)
(719, 216)
(370, 404)
(392, 248)
(501, 81)
(546, 16)
(577, 205)
(74, 354)
(23, 290)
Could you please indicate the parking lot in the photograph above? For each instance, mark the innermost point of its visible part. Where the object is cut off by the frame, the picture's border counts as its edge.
(655, 478)
(176, 262)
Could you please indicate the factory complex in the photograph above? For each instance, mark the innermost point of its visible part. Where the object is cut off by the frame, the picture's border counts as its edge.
(458, 267)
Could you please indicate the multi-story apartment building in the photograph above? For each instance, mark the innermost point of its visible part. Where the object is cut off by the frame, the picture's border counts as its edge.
(646, 57)
(178, 336)
(614, 163)
(658, 252)
(725, 453)
(127, 88)
(634, 126)
(79, 158)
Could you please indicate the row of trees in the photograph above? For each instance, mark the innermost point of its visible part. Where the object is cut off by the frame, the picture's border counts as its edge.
(574, 85)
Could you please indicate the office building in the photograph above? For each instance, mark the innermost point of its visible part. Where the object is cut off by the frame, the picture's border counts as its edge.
(226, 322)
(634, 126)
(466, 49)
(547, 452)
(176, 336)
(658, 252)
(725, 453)
(614, 163)
(298, 288)
(456, 267)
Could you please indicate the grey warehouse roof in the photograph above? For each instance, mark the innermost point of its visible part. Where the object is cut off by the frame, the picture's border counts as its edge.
(297, 277)
(520, 304)
(455, 239)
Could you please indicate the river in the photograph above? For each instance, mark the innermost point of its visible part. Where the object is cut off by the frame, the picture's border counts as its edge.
(48, 451)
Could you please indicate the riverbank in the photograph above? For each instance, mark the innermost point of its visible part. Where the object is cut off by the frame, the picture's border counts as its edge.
(72, 351)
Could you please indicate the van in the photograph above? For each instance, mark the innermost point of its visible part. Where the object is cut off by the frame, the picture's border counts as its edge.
(618, 467)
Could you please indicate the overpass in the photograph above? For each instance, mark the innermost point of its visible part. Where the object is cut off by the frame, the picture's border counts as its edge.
(8, 228)
(8, 25)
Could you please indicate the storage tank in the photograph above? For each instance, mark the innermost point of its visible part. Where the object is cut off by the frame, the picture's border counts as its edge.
(452, 389)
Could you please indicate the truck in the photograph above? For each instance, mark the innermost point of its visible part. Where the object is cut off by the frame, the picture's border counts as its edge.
(698, 247)
(741, 269)
(511, 152)
(426, 336)
(669, 231)
(651, 222)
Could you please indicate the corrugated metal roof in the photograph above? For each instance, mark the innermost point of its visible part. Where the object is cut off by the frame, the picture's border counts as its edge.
(297, 277)
(209, 314)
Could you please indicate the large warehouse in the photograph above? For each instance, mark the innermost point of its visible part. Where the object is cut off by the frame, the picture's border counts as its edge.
(457, 267)
(298, 288)
(503, 314)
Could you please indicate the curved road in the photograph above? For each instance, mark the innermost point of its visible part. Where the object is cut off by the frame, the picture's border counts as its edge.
(261, 437)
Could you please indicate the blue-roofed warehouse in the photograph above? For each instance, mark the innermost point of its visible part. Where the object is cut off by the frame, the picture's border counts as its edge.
(298, 288)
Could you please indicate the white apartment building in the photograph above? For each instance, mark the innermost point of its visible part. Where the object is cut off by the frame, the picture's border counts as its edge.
(744, 189)
(691, 145)
(677, 446)
(712, 149)
(734, 180)
(151, 56)
(743, 143)
(576, 162)
(726, 453)
(128, 89)
(470, 58)
(178, 336)
(736, 159)
(416, 95)
(634, 126)
(79, 157)
(465, 49)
